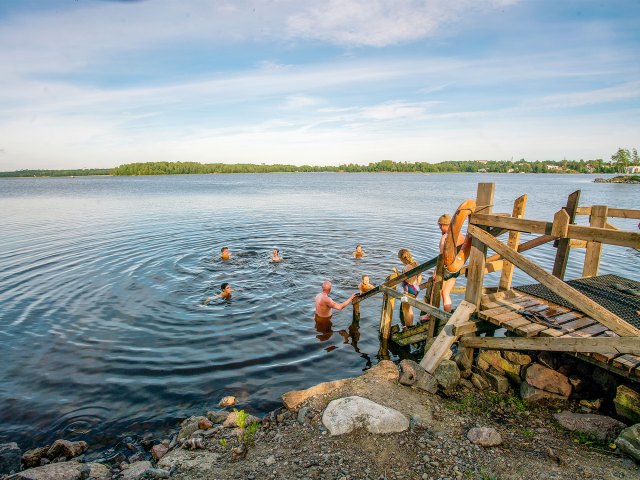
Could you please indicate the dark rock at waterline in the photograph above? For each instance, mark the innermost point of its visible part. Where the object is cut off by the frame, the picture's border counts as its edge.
(10, 458)
(619, 179)
(32, 458)
(65, 448)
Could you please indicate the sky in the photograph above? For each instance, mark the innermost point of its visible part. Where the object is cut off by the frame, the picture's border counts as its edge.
(96, 83)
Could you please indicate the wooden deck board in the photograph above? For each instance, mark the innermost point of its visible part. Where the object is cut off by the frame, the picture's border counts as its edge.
(577, 324)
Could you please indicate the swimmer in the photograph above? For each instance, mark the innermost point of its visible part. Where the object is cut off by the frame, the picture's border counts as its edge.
(359, 253)
(275, 255)
(225, 293)
(224, 253)
(365, 286)
(411, 285)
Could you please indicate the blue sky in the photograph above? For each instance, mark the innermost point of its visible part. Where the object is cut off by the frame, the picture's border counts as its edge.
(88, 83)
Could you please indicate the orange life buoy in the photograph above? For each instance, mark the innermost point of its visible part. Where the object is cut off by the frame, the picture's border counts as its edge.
(453, 257)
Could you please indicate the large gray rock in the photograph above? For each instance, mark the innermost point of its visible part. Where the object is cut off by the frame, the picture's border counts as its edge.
(548, 380)
(412, 374)
(65, 471)
(484, 436)
(601, 427)
(346, 414)
(533, 394)
(447, 374)
(65, 448)
(498, 383)
(629, 441)
(10, 458)
(136, 470)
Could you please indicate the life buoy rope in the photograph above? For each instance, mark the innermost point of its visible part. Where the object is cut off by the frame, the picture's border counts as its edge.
(455, 256)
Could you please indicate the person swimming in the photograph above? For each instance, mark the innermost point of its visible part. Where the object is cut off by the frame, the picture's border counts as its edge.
(225, 293)
(275, 255)
(224, 253)
(359, 253)
(365, 286)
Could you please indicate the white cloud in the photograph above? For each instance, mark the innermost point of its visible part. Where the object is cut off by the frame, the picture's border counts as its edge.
(297, 102)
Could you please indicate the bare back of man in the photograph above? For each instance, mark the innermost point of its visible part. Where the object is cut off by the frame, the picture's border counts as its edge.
(325, 304)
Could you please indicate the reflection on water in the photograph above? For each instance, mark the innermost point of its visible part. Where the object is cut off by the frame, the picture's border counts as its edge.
(102, 282)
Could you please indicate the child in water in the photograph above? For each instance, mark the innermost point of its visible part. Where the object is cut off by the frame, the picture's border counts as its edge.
(411, 285)
(275, 255)
(225, 293)
(224, 253)
(359, 253)
(365, 286)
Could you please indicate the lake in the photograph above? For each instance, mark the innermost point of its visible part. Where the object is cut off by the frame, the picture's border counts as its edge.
(102, 326)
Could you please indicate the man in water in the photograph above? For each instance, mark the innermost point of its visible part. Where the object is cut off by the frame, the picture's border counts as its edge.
(359, 253)
(275, 255)
(224, 253)
(324, 305)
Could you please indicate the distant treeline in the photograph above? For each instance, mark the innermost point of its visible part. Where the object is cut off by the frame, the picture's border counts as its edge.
(568, 166)
(471, 166)
(58, 173)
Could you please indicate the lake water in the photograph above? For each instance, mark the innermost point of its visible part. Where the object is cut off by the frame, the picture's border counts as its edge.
(102, 327)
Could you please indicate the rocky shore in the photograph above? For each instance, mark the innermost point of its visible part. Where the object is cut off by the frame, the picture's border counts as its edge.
(393, 422)
(619, 179)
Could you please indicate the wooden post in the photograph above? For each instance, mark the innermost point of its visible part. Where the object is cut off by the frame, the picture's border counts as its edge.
(519, 207)
(356, 312)
(598, 218)
(562, 254)
(478, 255)
(386, 316)
(434, 299)
(564, 290)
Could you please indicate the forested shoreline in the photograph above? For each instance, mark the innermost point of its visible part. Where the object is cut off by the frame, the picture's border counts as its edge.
(472, 166)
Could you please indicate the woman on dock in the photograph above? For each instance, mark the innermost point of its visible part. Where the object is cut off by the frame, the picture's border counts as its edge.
(411, 285)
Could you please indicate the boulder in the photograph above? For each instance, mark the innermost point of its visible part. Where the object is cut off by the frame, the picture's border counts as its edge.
(186, 431)
(31, 458)
(627, 403)
(517, 357)
(65, 471)
(346, 414)
(65, 448)
(603, 428)
(229, 401)
(548, 380)
(293, 399)
(447, 374)
(217, 416)
(479, 382)
(159, 451)
(205, 424)
(502, 366)
(385, 369)
(547, 359)
(629, 441)
(484, 436)
(10, 458)
(136, 470)
(412, 374)
(533, 394)
(497, 382)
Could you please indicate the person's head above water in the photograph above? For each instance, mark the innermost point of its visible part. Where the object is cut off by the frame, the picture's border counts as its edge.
(224, 253)
(358, 248)
(225, 290)
(365, 279)
(326, 286)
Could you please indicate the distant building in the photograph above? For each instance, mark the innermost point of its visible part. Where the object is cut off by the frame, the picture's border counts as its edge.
(554, 167)
(482, 161)
(590, 168)
(632, 169)
(482, 170)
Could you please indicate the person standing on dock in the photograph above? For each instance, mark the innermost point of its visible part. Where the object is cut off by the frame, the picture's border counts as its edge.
(411, 285)
(449, 278)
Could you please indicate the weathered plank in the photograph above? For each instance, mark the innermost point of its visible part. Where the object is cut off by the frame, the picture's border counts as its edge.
(442, 344)
(594, 249)
(436, 312)
(577, 324)
(472, 326)
(602, 345)
(613, 212)
(531, 330)
(579, 232)
(564, 244)
(516, 323)
(478, 253)
(573, 296)
(519, 207)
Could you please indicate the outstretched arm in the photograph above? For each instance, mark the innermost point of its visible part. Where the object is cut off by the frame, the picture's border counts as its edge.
(340, 306)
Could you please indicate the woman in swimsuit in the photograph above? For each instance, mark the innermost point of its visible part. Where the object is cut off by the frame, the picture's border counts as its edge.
(411, 285)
